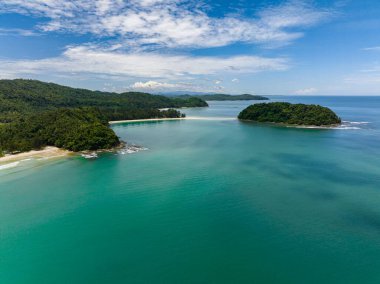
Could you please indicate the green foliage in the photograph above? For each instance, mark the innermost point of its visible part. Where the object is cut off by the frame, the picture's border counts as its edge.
(138, 113)
(19, 97)
(72, 129)
(190, 101)
(299, 114)
(37, 114)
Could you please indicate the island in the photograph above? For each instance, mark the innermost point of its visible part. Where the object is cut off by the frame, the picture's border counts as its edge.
(290, 114)
(35, 114)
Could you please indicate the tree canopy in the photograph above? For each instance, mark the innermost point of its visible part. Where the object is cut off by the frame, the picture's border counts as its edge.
(35, 114)
(20, 96)
(71, 129)
(287, 113)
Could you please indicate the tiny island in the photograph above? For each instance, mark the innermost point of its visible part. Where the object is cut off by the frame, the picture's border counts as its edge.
(290, 114)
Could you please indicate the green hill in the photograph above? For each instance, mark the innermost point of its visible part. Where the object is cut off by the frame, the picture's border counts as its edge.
(35, 114)
(25, 96)
(295, 114)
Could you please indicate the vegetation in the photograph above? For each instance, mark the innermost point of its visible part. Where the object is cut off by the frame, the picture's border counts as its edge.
(224, 97)
(35, 114)
(18, 97)
(298, 114)
(72, 129)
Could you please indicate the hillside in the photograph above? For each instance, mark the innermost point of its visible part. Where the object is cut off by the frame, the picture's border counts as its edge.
(35, 114)
(25, 96)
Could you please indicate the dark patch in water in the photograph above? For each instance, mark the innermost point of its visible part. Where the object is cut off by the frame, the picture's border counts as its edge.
(293, 166)
(364, 218)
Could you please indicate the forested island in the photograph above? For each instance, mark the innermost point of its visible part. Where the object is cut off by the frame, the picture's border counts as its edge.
(225, 97)
(292, 114)
(36, 114)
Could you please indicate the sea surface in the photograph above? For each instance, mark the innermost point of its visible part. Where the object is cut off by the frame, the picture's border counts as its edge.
(212, 200)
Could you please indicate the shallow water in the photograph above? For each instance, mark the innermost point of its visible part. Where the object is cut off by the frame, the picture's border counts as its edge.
(210, 201)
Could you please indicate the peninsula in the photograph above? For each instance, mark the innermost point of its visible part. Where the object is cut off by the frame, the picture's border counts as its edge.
(35, 114)
(291, 114)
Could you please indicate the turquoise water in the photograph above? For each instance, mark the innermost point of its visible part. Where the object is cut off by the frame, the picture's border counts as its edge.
(211, 201)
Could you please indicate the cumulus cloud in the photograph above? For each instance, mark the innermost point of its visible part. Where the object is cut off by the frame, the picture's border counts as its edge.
(153, 85)
(170, 23)
(307, 91)
(93, 60)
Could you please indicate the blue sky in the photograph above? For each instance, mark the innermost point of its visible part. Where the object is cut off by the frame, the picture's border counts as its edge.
(295, 47)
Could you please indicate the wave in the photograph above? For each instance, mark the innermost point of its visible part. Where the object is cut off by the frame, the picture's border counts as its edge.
(130, 149)
(355, 122)
(8, 166)
(92, 155)
(346, 125)
(342, 127)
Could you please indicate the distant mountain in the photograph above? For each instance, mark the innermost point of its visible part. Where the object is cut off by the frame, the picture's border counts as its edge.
(224, 97)
(182, 93)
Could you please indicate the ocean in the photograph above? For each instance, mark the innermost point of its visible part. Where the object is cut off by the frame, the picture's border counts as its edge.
(212, 200)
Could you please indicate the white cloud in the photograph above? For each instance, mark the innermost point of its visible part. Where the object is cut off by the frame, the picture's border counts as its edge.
(374, 48)
(21, 32)
(235, 80)
(153, 85)
(307, 91)
(170, 23)
(93, 60)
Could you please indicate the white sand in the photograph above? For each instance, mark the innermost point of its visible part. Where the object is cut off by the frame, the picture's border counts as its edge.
(179, 118)
(48, 152)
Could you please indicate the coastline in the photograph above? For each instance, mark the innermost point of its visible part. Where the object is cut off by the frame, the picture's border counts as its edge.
(146, 119)
(46, 153)
(287, 125)
(179, 118)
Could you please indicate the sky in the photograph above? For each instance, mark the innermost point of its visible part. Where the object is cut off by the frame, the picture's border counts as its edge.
(291, 47)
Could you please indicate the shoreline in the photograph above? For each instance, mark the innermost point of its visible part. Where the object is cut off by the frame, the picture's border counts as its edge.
(146, 119)
(286, 125)
(46, 153)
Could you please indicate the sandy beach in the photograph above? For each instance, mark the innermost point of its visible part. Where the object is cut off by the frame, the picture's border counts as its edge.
(179, 118)
(147, 119)
(47, 152)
